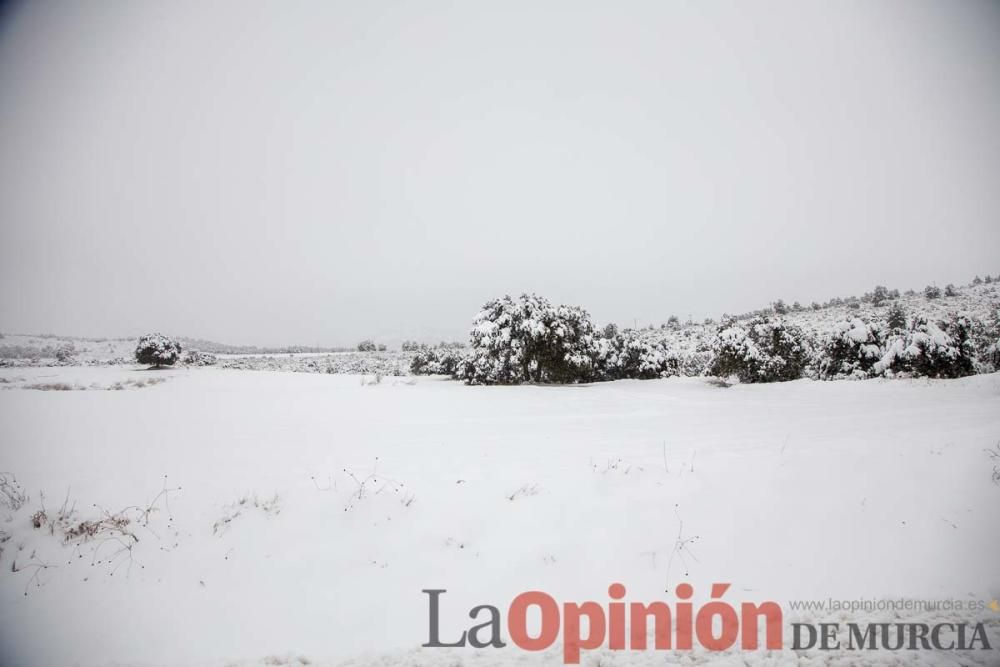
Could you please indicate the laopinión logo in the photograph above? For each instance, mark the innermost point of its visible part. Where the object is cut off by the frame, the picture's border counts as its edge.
(716, 626)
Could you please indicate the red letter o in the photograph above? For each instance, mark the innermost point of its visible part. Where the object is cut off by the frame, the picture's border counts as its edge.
(517, 621)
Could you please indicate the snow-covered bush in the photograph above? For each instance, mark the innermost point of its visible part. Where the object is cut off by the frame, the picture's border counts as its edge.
(529, 340)
(367, 346)
(932, 292)
(65, 353)
(985, 340)
(930, 349)
(994, 334)
(692, 363)
(156, 349)
(761, 350)
(199, 358)
(437, 361)
(850, 349)
(636, 354)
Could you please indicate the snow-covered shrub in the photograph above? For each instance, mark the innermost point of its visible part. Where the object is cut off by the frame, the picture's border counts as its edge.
(949, 290)
(693, 363)
(412, 346)
(529, 340)
(850, 349)
(761, 350)
(635, 354)
(932, 292)
(437, 361)
(65, 353)
(156, 349)
(367, 346)
(930, 349)
(985, 337)
(198, 358)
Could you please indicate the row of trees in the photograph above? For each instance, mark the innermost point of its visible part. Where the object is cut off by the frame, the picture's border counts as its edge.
(528, 339)
(879, 296)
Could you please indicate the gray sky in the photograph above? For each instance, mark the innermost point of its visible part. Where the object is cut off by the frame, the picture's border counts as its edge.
(318, 172)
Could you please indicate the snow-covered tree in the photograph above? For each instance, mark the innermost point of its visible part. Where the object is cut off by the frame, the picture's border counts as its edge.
(932, 292)
(896, 317)
(930, 349)
(367, 346)
(157, 350)
(529, 340)
(851, 349)
(879, 295)
(761, 350)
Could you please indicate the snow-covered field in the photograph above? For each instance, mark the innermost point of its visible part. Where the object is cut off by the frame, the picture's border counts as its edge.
(262, 547)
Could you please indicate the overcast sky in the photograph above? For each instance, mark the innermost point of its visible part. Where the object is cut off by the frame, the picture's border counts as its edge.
(299, 172)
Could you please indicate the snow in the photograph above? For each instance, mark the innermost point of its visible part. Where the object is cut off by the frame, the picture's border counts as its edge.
(795, 490)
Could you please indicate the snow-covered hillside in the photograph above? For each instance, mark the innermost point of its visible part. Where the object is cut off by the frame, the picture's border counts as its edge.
(43, 350)
(229, 517)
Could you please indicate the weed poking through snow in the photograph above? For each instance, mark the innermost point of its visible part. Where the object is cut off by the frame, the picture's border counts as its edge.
(682, 548)
(372, 484)
(524, 491)
(110, 538)
(269, 507)
(615, 465)
(12, 495)
(994, 455)
(36, 566)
